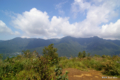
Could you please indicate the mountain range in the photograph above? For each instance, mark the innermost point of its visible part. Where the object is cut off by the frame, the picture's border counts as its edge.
(67, 46)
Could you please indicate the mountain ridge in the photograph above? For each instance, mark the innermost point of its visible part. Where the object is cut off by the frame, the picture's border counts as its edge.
(67, 46)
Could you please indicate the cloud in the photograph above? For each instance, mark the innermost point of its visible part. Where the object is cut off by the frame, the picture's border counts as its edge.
(79, 6)
(10, 14)
(103, 9)
(25, 37)
(35, 23)
(111, 30)
(16, 33)
(4, 29)
(97, 12)
(59, 7)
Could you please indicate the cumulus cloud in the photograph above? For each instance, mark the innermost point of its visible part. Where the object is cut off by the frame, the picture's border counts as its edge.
(33, 22)
(37, 23)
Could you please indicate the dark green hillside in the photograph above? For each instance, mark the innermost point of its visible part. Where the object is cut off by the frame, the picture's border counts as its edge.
(117, 42)
(19, 44)
(64, 49)
(103, 47)
(37, 43)
(67, 46)
(16, 44)
(69, 50)
(87, 41)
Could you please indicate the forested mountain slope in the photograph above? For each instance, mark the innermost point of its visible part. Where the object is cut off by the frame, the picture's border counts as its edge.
(67, 46)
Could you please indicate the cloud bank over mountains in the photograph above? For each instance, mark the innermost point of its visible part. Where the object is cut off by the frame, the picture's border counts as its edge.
(99, 13)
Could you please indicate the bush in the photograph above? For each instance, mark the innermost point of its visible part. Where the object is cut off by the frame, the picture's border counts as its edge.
(42, 67)
(111, 68)
(50, 54)
(58, 74)
(83, 54)
(103, 56)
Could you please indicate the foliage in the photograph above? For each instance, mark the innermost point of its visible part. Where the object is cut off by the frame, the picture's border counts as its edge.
(27, 53)
(42, 68)
(58, 72)
(32, 66)
(1, 56)
(111, 68)
(50, 54)
(83, 54)
(103, 56)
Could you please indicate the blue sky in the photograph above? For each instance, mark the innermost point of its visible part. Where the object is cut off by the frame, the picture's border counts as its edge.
(59, 18)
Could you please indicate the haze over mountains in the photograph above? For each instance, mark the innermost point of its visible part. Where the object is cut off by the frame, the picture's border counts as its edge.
(67, 46)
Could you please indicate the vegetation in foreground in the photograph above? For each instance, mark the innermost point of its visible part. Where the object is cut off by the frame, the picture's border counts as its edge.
(32, 66)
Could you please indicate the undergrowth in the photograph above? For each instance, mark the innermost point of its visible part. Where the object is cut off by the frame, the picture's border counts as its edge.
(32, 66)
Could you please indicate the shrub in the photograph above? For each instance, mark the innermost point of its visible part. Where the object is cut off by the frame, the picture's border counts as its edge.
(42, 68)
(103, 56)
(58, 74)
(27, 54)
(111, 68)
(83, 54)
(50, 54)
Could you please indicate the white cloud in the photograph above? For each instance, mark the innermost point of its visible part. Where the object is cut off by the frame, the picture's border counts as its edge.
(61, 12)
(59, 7)
(96, 9)
(111, 30)
(33, 22)
(79, 6)
(97, 13)
(25, 37)
(16, 33)
(36, 23)
(4, 29)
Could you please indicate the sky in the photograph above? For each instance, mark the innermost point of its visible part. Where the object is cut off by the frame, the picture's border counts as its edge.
(48, 19)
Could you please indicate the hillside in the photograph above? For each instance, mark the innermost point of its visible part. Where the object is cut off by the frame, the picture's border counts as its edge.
(67, 46)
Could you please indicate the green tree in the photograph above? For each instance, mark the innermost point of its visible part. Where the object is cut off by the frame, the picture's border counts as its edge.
(103, 56)
(27, 53)
(80, 55)
(97, 55)
(50, 53)
(84, 54)
(88, 54)
(1, 56)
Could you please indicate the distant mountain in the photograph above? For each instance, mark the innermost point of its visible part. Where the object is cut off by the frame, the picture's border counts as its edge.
(1, 40)
(67, 46)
